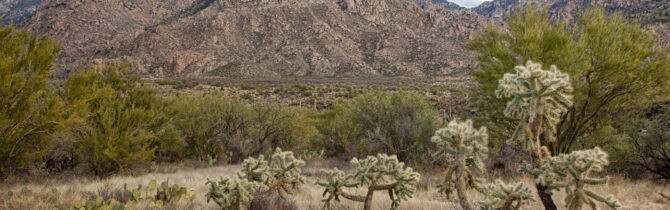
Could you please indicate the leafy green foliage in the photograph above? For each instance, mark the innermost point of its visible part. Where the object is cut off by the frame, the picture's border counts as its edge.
(281, 175)
(501, 196)
(539, 98)
(615, 66)
(380, 173)
(381, 122)
(208, 122)
(573, 172)
(464, 148)
(126, 123)
(29, 111)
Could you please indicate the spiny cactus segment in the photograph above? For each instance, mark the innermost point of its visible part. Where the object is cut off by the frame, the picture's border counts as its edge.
(282, 175)
(539, 98)
(501, 196)
(464, 148)
(573, 173)
(380, 173)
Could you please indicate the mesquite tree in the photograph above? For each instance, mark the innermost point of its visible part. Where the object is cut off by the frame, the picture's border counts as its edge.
(464, 148)
(381, 173)
(573, 172)
(503, 196)
(539, 98)
(282, 175)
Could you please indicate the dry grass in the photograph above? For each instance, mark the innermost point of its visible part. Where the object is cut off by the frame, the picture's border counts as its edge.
(632, 194)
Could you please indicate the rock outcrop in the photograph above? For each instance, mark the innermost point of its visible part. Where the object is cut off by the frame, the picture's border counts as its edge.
(15, 11)
(262, 38)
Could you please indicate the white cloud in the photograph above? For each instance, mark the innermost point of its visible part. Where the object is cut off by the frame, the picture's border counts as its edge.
(469, 3)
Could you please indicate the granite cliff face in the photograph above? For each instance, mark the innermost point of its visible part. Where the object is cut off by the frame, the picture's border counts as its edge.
(262, 38)
(15, 11)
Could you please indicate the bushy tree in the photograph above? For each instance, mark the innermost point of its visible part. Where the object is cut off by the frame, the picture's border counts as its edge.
(573, 172)
(380, 173)
(463, 148)
(29, 111)
(210, 122)
(615, 66)
(282, 176)
(126, 122)
(383, 122)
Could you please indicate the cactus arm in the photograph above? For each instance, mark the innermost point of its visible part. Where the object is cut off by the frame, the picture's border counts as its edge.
(614, 204)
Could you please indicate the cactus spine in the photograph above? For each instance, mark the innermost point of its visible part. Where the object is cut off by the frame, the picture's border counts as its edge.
(380, 173)
(463, 147)
(282, 175)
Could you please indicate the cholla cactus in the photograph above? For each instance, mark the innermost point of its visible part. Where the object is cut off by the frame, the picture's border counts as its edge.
(281, 176)
(572, 172)
(540, 97)
(231, 193)
(501, 196)
(464, 148)
(377, 173)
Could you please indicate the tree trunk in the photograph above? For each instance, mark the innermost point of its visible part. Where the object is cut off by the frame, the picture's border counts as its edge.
(462, 196)
(545, 197)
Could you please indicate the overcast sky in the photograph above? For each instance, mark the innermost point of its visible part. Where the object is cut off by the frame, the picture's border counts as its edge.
(468, 3)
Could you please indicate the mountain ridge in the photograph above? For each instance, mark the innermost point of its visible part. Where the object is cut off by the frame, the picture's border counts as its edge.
(263, 38)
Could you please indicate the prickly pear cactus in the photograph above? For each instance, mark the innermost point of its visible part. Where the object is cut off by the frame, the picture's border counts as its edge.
(501, 196)
(539, 98)
(380, 173)
(282, 175)
(572, 172)
(101, 204)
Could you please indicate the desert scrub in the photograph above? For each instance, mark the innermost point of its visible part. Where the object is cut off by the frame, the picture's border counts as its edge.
(380, 173)
(572, 172)
(258, 178)
(464, 148)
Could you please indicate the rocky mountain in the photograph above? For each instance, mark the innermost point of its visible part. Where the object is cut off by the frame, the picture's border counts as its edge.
(654, 14)
(262, 38)
(15, 11)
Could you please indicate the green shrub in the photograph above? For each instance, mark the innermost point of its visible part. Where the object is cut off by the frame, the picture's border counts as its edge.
(209, 123)
(127, 123)
(29, 111)
(382, 122)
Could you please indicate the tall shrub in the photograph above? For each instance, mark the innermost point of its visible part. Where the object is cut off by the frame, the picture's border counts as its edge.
(29, 111)
(127, 123)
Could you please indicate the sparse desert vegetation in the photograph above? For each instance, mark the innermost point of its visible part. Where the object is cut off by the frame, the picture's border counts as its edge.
(546, 125)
